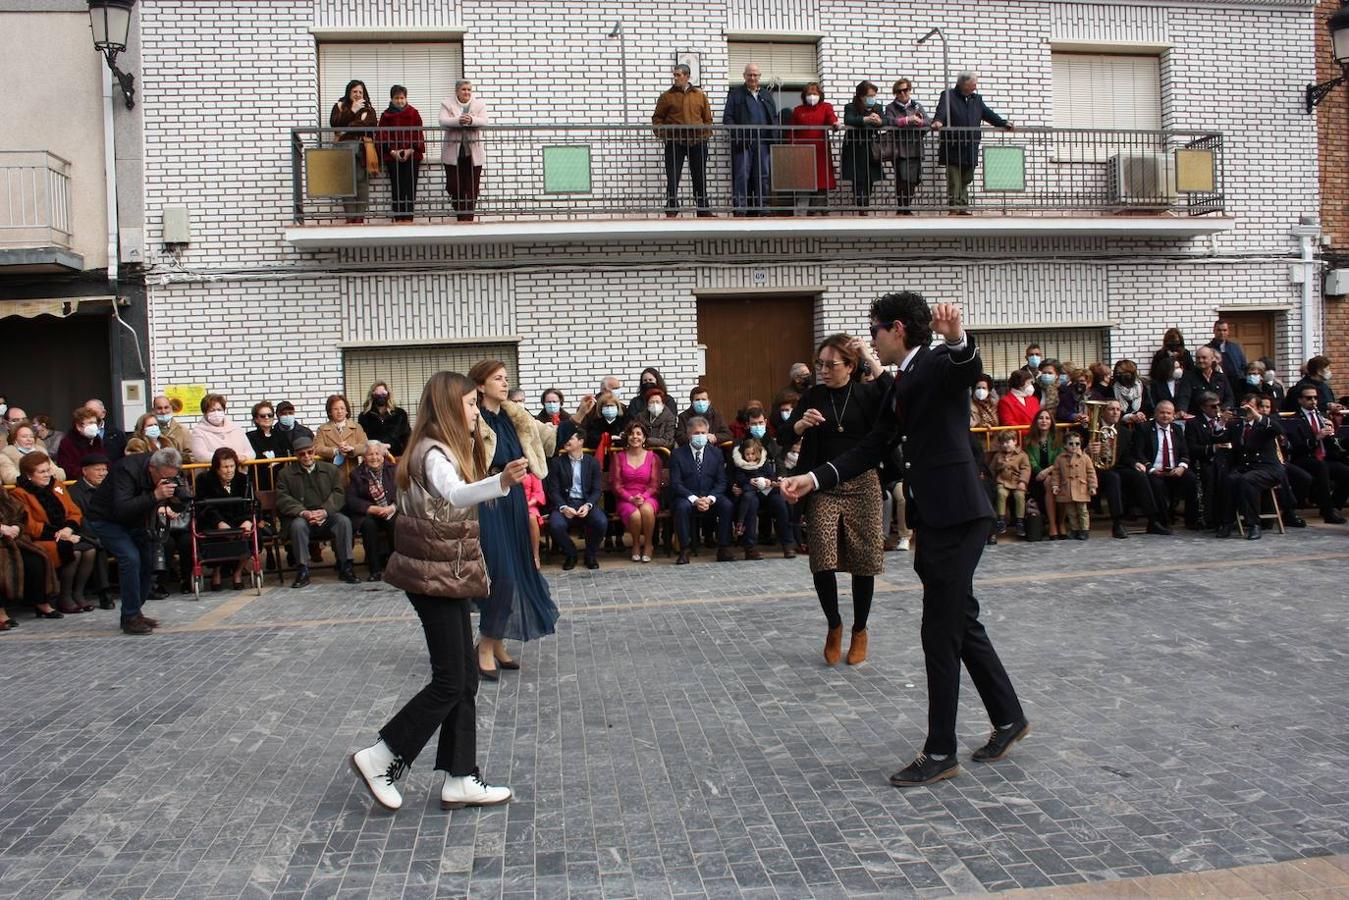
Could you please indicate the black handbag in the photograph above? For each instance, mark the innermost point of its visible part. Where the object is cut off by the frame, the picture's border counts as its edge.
(885, 146)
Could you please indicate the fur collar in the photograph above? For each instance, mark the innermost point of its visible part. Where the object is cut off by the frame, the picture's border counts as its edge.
(539, 439)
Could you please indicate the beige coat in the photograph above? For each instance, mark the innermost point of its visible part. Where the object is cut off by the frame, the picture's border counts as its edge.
(1075, 478)
(9, 464)
(1011, 470)
(538, 439)
(455, 134)
(329, 436)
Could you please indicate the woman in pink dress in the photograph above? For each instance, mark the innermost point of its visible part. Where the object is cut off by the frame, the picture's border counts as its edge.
(636, 481)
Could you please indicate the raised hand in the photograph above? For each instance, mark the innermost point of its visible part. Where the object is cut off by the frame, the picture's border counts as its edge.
(946, 321)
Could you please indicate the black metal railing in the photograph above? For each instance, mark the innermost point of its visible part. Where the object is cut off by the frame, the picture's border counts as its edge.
(550, 172)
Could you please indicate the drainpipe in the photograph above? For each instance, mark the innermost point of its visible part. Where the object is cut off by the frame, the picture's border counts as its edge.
(110, 180)
(1308, 231)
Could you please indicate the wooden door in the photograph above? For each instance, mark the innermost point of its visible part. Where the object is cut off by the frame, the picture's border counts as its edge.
(1254, 331)
(751, 343)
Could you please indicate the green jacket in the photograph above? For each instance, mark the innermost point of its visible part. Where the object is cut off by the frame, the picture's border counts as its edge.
(298, 490)
(1039, 461)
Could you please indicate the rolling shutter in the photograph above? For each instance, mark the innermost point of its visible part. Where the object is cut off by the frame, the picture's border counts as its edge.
(427, 70)
(1107, 91)
(794, 65)
(407, 369)
(1003, 352)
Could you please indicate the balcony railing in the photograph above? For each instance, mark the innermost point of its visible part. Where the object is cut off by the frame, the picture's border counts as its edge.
(552, 172)
(34, 199)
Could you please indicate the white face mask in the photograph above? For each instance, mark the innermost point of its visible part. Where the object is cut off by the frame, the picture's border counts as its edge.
(812, 99)
(981, 393)
(90, 431)
(1269, 376)
(1325, 375)
(216, 417)
(1028, 391)
(1177, 374)
(656, 409)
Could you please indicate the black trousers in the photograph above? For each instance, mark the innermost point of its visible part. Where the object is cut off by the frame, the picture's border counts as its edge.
(1123, 486)
(1329, 481)
(1299, 482)
(1242, 490)
(372, 529)
(1166, 490)
(448, 701)
(952, 634)
(675, 154)
(403, 186)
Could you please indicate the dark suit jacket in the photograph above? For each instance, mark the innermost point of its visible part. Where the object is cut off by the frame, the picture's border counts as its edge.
(687, 480)
(1193, 384)
(1158, 391)
(1302, 440)
(932, 425)
(738, 112)
(1201, 439)
(558, 483)
(1145, 445)
(1259, 447)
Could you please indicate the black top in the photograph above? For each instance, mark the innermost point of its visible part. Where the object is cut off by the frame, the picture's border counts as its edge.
(210, 487)
(824, 442)
(390, 428)
(126, 496)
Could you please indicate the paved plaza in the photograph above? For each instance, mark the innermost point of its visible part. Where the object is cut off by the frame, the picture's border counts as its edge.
(680, 735)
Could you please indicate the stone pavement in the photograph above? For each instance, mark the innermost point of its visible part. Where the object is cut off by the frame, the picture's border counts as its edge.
(681, 736)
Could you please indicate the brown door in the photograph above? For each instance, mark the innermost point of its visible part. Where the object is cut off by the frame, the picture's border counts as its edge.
(751, 343)
(1254, 331)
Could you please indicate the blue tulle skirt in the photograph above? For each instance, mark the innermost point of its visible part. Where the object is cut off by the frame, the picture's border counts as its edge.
(520, 606)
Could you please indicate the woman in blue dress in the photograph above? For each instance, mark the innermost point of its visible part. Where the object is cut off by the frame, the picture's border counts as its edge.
(519, 607)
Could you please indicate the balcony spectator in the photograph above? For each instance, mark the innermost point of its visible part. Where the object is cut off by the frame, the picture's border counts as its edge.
(225, 480)
(372, 498)
(26, 571)
(962, 108)
(1204, 377)
(169, 426)
(1231, 357)
(1316, 376)
(81, 440)
(354, 114)
(700, 406)
(698, 486)
(1270, 385)
(383, 420)
(93, 472)
(309, 499)
(604, 424)
(1167, 374)
(984, 404)
(23, 442)
(402, 151)
(650, 378)
(813, 117)
(148, 436)
(1019, 405)
(756, 477)
(114, 438)
(657, 420)
(1133, 396)
(907, 116)
(754, 112)
(1072, 406)
(551, 414)
(462, 152)
(573, 491)
(1043, 446)
(55, 524)
(268, 442)
(215, 430)
(681, 119)
(47, 435)
(289, 424)
(863, 118)
(1161, 453)
(636, 489)
(339, 440)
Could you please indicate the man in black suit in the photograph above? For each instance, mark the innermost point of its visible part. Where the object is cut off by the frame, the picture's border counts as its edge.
(1311, 437)
(573, 489)
(1160, 452)
(1120, 482)
(698, 486)
(1204, 377)
(1255, 468)
(93, 471)
(927, 413)
(1210, 451)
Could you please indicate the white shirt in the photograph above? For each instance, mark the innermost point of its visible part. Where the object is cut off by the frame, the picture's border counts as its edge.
(444, 481)
(1176, 462)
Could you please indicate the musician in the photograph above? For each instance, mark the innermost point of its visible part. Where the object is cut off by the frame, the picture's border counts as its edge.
(1111, 450)
(1296, 484)
(1311, 435)
(1255, 468)
(1160, 452)
(1209, 452)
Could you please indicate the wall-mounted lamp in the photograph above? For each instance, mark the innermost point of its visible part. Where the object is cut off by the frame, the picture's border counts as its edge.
(1339, 48)
(111, 22)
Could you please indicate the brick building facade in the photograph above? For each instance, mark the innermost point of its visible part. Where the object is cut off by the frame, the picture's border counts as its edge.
(1332, 122)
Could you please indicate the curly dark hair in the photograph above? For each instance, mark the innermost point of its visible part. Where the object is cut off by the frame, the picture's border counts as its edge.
(910, 310)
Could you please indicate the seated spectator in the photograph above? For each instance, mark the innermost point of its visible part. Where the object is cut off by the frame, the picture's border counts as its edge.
(48, 434)
(649, 380)
(756, 423)
(636, 489)
(1251, 379)
(169, 426)
(610, 384)
(225, 480)
(148, 436)
(309, 499)
(1100, 377)
(22, 442)
(700, 406)
(1203, 377)
(1043, 447)
(268, 442)
(984, 404)
(1161, 453)
(215, 430)
(1317, 377)
(54, 524)
(1255, 468)
(81, 440)
(384, 421)
(783, 405)
(372, 506)
(1119, 481)
(1134, 399)
(1294, 484)
(1311, 438)
(573, 490)
(1170, 356)
(535, 500)
(4, 408)
(1270, 385)
(801, 378)
(756, 475)
(657, 420)
(516, 395)
(26, 571)
(339, 440)
(698, 486)
(402, 150)
(93, 471)
(1072, 408)
(1010, 468)
(1018, 406)
(289, 424)
(139, 490)
(1073, 484)
(114, 438)
(1165, 383)
(605, 423)
(552, 401)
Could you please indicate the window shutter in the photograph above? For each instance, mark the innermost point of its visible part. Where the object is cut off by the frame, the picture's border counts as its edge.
(407, 369)
(427, 70)
(794, 65)
(1107, 91)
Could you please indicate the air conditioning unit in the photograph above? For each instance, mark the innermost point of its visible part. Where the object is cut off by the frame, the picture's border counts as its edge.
(1142, 179)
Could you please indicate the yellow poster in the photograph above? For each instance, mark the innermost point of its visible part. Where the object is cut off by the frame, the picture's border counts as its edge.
(185, 398)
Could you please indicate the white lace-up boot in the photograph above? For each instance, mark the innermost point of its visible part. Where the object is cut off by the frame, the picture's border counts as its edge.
(471, 790)
(380, 768)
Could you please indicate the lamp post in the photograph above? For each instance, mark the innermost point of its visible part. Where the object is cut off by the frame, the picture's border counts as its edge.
(111, 22)
(945, 70)
(1339, 49)
(617, 32)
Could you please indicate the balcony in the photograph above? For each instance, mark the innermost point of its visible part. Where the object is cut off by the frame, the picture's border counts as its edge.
(35, 221)
(580, 183)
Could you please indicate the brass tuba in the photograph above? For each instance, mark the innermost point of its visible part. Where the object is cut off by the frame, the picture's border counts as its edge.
(1106, 435)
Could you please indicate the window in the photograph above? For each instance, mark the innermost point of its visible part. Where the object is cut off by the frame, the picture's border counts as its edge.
(785, 68)
(407, 369)
(1005, 351)
(427, 70)
(1107, 91)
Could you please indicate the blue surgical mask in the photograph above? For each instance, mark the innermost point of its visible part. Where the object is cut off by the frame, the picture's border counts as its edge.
(1047, 378)
(552, 408)
(873, 101)
(1034, 361)
(610, 413)
(287, 421)
(152, 432)
(1063, 380)
(1253, 379)
(699, 441)
(758, 431)
(785, 413)
(701, 406)
(165, 419)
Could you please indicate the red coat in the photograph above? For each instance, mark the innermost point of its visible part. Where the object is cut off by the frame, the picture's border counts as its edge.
(821, 115)
(401, 140)
(1011, 411)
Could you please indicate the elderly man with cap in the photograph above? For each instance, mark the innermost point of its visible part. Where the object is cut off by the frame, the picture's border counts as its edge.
(93, 472)
(309, 498)
(573, 489)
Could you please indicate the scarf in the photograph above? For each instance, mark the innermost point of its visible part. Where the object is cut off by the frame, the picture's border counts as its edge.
(51, 505)
(1131, 398)
(376, 487)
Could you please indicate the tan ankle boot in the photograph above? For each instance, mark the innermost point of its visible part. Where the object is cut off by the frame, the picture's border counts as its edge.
(833, 646)
(857, 650)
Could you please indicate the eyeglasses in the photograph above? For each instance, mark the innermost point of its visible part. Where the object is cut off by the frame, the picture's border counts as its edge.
(266, 416)
(875, 329)
(902, 90)
(828, 364)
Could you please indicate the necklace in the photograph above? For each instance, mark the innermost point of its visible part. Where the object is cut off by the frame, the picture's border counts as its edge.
(838, 416)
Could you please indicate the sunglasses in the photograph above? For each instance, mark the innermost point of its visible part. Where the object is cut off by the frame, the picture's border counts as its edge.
(266, 416)
(876, 329)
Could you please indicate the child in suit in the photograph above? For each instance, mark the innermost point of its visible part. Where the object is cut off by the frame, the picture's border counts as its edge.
(1011, 474)
(1073, 485)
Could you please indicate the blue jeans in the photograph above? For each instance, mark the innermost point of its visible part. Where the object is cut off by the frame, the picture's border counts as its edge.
(749, 177)
(131, 547)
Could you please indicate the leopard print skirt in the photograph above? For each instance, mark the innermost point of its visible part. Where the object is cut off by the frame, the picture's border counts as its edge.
(843, 527)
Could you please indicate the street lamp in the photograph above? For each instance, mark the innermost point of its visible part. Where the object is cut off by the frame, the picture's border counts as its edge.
(618, 32)
(1339, 48)
(945, 70)
(111, 22)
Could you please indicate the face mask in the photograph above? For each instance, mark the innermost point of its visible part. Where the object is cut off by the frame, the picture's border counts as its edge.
(400, 105)
(701, 406)
(286, 421)
(1268, 377)
(981, 393)
(1177, 374)
(699, 441)
(381, 399)
(152, 432)
(812, 99)
(647, 385)
(164, 420)
(873, 101)
(24, 450)
(1124, 378)
(1047, 379)
(1034, 361)
(758, 431)
(552, 408)
(610, 413)
(1325, 376)
(4, 408)
(216, 417)
(1063, 380)
(1079, 388)
(1252, 379)
(90, 431)
(655, 409)
(785, 413)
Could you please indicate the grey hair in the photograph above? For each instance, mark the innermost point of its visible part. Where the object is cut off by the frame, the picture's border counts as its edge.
(166, 458)
(965, 77)
(683, 69)
(1206, 397)
(377, 445)
(696, 420)
(751, 65)
(461, 82)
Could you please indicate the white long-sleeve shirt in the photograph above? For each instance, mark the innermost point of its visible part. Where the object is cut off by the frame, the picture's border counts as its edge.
(444, 480)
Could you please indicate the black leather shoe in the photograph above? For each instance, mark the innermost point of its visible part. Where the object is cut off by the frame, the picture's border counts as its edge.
(158, 593)
(1156, 526)
(105, 601)
(1224, 531)
(724, 554)
(1000, 742)
(53, 614)
(1118, 530)
(683, 559)
(1331, 517)
(1294, 521)
(488, 674)
(569, 563)
(348, 575)
(375, 576)
(926, 770)
(592, 563)
(1253, 533)
(301, 578)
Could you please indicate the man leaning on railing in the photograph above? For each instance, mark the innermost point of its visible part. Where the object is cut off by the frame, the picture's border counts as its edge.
(747, 104)
(962, 108)
(679, 113)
